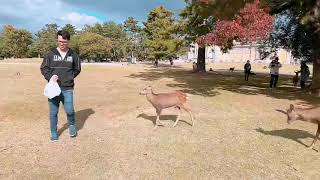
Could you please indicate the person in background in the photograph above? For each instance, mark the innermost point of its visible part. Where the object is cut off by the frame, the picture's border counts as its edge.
(274, 67)
(247, 70)
(304, 70)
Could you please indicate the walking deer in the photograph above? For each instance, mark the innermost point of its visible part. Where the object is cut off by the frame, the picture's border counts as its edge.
(162, 101)
(306, 114)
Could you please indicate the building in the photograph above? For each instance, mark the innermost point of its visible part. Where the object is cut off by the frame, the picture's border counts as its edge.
(238, 54)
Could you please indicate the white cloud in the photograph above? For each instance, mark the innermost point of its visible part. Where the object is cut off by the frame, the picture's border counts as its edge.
(30, 14)
(34, 14)
(79, 20)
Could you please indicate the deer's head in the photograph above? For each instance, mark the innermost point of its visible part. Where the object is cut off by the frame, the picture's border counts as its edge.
(292, 115)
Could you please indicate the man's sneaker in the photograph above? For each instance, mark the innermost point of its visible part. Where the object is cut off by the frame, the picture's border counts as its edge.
(72, 131)
(54, 137)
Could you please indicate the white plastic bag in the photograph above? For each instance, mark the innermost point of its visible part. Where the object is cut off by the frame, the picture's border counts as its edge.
(52, 90)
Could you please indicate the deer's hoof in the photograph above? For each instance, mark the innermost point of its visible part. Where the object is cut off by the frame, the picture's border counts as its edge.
(160, 124)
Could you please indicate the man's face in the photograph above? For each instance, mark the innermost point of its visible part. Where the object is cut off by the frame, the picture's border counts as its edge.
(63, 44)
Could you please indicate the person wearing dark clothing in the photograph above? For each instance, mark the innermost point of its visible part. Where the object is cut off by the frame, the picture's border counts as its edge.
(62, 65)
(304, 70)
(156, 63)
(247, 70)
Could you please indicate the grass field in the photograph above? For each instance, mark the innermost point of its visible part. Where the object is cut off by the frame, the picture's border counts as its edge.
(239, 132)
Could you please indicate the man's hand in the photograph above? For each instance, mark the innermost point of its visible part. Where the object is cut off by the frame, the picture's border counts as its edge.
(54, 78)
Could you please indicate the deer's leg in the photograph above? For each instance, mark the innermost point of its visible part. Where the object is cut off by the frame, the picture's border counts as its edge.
(178, 116)
(158, 122)
(187, 108)
(316, 137)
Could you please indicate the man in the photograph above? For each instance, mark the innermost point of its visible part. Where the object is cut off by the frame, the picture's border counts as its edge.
(247, 70)
(274, 67)
(156, 62)
(62, 65)
(304, 70)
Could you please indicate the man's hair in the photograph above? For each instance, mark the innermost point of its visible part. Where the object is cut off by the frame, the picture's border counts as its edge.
(276, 58)
(64, 34)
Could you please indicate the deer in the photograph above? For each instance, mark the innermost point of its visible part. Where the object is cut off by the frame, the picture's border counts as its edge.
(305, 114)
(295, 79)
(176, 99)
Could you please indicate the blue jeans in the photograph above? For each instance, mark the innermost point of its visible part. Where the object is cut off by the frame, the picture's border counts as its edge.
(66, 97)
(273, 80)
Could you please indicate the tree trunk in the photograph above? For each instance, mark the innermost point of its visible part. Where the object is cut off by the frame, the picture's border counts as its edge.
(201, 60)
(315, 87)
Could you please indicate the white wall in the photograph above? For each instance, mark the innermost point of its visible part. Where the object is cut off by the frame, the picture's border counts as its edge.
(238, 54)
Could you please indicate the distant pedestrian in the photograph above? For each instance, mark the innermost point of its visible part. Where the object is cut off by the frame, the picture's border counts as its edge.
(247, 70)
(304, 70)
(274, 67)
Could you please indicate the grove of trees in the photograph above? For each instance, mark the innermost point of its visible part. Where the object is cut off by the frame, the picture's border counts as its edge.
(158, 39)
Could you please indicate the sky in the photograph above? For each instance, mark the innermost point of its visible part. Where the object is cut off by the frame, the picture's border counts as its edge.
(34, 14)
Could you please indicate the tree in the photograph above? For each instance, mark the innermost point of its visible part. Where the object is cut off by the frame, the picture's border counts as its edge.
(70, 28)
(1, 47)
(133, 29)
(7, 29)
(20, 42)
(46, 39)
(92, 46)
(161, 31)
(114, 31)
(142, 50)
(302, 26)
(253, 24)
(196, 21)
(15, 42)
(300, 33)
(222, 9)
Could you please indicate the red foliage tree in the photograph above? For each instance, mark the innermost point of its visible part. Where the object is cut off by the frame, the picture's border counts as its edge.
(252, 24)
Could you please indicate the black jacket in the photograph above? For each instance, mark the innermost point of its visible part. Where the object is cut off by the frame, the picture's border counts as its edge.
(66, 69)
(247, 67)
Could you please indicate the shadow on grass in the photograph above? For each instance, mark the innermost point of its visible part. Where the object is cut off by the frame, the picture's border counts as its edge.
(162, 118)
(293, 134)
(81, 117)
(208, 84)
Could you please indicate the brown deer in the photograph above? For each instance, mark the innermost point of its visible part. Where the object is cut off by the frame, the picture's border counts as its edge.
(305, 114)
(295, 79)
(162, 101)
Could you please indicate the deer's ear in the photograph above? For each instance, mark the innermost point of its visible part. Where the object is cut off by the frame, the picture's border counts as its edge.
(291, 107)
